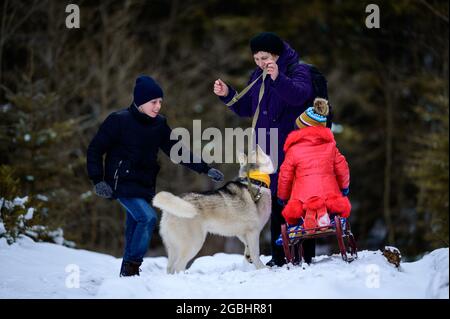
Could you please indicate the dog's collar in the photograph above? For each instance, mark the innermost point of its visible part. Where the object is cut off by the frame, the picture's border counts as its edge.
(253, 181)
(255, 192)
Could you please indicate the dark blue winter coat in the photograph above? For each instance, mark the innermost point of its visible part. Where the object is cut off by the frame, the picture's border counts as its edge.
(131, 141)
(283, 101)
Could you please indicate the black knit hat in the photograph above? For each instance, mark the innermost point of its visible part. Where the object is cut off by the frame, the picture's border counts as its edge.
(146, 89)
(268, 42)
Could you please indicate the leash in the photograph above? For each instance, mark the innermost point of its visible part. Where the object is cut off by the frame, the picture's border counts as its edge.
(254, 193)
(238, 96)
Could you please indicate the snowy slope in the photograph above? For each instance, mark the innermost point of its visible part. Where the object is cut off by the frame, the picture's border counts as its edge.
(42, 270)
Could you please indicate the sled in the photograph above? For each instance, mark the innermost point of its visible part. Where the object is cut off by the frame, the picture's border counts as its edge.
(293, 239)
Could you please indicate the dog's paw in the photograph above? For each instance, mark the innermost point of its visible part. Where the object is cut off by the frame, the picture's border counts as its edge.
(260, 265)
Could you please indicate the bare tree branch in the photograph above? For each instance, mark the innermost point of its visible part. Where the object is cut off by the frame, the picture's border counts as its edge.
(434, 10)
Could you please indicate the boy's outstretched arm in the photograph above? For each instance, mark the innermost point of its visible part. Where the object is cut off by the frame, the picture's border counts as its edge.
(99, 145)
(286, 178)
(194, 162)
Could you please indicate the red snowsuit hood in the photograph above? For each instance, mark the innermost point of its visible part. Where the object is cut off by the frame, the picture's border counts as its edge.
(313, 135)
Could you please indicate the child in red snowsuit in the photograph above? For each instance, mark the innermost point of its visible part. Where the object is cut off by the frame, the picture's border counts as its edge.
(314, 176)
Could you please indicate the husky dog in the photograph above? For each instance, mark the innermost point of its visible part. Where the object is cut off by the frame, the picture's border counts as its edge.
(240, 208)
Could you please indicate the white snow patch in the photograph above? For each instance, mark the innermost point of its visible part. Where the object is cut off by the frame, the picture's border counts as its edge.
(43, 270)
(42, 197)
(18, 201)
(86, 195)
(29, 214)
(438, 284)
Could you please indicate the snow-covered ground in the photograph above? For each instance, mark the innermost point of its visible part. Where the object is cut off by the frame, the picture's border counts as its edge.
(42, 270)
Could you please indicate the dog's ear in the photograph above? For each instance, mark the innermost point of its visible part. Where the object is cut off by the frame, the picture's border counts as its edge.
(260, 152)
(242, 158)
(261, 157)
(264, 161)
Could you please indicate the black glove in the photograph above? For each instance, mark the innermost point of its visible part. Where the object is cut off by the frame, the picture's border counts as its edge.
(345, 191)
(282, 202)
(215, 175)
(102, 189)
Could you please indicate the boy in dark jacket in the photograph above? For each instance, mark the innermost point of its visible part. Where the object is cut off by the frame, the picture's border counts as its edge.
(131, 139)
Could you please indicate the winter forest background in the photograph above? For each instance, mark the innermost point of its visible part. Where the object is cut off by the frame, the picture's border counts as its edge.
(389, 88)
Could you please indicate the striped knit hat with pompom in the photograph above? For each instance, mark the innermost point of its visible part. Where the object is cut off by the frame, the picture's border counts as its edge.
(315, 115)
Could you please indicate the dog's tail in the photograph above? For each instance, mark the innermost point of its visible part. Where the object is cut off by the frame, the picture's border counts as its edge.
(174, 205)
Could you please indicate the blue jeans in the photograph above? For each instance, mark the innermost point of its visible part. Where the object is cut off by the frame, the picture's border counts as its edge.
(141, 220)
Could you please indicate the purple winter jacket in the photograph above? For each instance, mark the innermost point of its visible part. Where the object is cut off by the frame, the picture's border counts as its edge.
(283, 101)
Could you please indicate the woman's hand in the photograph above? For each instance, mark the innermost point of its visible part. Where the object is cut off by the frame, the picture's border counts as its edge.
(272, 69)
(220, 88)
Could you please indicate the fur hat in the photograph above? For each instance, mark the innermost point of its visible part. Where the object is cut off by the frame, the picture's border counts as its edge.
(267, 42)
(315, 115)
(146, 89)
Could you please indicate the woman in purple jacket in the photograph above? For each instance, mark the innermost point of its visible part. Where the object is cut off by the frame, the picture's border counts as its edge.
(288, 91)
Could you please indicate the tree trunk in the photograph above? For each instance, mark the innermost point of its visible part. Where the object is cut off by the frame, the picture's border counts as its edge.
(388, 169)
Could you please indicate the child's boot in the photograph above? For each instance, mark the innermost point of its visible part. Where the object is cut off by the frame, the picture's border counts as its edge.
(323, 219)
(310, 220)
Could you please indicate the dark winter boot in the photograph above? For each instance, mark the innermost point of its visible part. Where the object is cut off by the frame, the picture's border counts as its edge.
(276, 262)
(129, 268)
(276, 219)
(309, 250)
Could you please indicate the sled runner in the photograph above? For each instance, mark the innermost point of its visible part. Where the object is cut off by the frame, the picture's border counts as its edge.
(292, 238)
